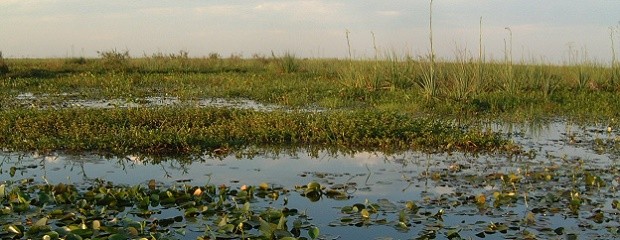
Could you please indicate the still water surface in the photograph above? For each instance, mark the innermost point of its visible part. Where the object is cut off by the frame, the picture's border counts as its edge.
(434, 181)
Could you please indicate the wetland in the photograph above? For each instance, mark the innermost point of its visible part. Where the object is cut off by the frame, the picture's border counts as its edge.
(171, 147)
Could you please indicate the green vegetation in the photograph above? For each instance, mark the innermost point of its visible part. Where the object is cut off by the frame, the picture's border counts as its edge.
(173, 130)
(96, 212)
(4, 68)
(464, 88)
(377, 104)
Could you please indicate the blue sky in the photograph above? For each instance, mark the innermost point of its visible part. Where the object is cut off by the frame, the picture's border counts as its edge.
(542, 30)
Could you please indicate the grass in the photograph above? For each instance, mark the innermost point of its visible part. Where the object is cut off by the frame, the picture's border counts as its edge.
(468, 91)
(4, 68)
(387, 83)
(198, 130)
(369, 105)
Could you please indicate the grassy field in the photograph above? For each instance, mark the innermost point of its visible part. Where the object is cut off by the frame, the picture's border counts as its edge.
(381, 104)
(466, 87)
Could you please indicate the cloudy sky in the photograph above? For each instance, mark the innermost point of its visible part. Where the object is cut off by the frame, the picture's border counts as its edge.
(542, 30)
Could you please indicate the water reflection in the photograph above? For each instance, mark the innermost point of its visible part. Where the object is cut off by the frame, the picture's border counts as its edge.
(562, 152)
(44, 101)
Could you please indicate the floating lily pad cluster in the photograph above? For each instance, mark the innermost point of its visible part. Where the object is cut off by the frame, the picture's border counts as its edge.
(536, 204)
(107, 211)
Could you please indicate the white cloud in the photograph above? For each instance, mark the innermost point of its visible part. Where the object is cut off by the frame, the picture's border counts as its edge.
(162, 10)
(317, 11)
(389, 13)
(221, 10)
(308, 7)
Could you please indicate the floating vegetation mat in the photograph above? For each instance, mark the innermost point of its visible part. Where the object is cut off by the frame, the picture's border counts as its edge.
(564, 187)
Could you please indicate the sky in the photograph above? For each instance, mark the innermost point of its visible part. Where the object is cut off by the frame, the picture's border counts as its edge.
(542, 31)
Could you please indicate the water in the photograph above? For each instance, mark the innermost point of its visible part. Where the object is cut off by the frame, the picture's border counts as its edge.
(435, 182)
(44, 101)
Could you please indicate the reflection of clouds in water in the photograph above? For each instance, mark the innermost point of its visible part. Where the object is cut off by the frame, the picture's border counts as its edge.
(135, 158)
(51, 159)
(47, 157)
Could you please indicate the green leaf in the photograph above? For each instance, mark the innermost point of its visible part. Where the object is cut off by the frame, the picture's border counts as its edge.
(265, 228)
(282, 223)
(313, 232)
(2, 192)
(41, 222)
(72, 236)
(118, 237)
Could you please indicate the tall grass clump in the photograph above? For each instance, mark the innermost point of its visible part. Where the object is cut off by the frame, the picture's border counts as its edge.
(4, 68)
(615, 66)
(115, 60)
(581, 67)
(463, 79)
(160, 62)
(428, 82)
(396, 72)
(481, 57)
(548, 82)
(466, 75)
(510, 83)
(359, 76)
(287, 63)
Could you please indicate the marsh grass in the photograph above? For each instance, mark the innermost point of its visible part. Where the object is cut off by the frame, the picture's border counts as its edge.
(114, 60)
(395, 72)
(194, 130)
(465, 86)
(429, 82)
(287, 63)
(4, 68)
(463, 78)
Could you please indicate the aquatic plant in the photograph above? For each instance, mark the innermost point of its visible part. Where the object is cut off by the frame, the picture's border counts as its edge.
(102, 209)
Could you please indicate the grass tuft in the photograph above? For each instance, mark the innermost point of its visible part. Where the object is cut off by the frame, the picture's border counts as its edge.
(287, 63)
(115, 60)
